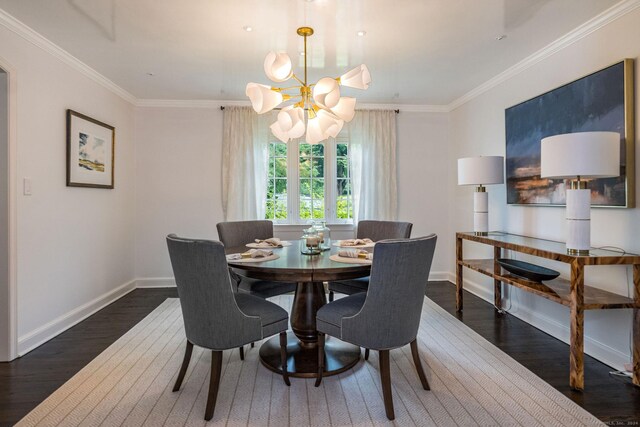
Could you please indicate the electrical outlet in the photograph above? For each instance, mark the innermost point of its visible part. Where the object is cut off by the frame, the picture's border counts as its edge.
(26, 190)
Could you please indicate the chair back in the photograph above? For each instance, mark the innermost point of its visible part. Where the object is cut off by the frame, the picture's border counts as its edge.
(238, 233)
(390, 316)
(212, 319)
(380, 230)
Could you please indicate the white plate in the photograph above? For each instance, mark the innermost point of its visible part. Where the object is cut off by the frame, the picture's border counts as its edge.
(284, 243)
(348, 260)
(267, 258)
(368, 245)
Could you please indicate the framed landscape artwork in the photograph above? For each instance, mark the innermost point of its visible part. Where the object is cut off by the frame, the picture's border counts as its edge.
(602, 101)
(90, 152)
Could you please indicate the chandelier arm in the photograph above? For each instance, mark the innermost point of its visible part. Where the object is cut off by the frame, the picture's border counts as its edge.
(299, 81)
(280, 89)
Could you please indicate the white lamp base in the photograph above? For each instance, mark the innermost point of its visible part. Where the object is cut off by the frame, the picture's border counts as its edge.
(481, 211)
(578, 221)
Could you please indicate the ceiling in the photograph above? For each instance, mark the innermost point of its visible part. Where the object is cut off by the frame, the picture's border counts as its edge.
(418, 51)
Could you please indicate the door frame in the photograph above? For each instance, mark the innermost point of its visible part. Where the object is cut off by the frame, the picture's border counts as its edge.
(12, 300)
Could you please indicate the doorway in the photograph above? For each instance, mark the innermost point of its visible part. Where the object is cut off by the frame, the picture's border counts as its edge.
(5, 300)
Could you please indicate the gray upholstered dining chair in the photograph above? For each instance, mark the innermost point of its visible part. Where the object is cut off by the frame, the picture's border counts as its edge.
(387, 316)
(235, 234)
(376, 231)
(216, 317)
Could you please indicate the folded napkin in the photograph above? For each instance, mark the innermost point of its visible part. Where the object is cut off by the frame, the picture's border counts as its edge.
(358, 253)
(355, 242)
(273, 242)
(252, 253)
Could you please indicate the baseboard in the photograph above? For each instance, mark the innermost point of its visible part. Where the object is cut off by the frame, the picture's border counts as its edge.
(599, 351)
(156, 282)
(169, 282)
(39, 336)
(439, 276)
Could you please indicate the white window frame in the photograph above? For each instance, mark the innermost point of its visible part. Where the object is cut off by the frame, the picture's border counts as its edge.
(330, 182)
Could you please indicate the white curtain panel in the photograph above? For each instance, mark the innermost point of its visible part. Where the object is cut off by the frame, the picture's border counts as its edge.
(373, 165)
(245, 154)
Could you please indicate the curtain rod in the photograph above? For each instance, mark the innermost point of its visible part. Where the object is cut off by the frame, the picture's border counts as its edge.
(222, 108)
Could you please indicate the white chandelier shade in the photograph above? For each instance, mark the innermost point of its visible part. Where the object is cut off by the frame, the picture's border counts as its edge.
(358, 78)
(290, 124)
(345, 109)
(263, 99)
(326, 92)
(277, 66)
(320, 105)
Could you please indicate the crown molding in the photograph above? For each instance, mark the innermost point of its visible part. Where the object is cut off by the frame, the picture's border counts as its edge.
(43, 43)
(594, 24)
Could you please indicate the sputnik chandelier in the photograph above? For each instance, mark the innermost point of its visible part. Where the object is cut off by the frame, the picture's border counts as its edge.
(326, 111)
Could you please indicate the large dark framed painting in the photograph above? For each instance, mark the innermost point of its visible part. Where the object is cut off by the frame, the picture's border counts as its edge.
(602, 101)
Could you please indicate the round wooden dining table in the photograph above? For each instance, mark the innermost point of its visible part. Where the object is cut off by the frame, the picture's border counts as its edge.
(309, 272)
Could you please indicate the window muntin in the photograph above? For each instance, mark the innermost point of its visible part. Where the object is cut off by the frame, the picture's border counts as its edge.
(277, 171)
(314, 185)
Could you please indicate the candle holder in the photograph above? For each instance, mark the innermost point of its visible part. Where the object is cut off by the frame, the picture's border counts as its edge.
(310, 242)
(324, 233)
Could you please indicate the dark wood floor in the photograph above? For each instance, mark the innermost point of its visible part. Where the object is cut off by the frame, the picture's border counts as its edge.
(26, 382)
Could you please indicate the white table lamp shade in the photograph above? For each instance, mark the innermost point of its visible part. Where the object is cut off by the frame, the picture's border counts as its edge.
(480, 170)
(584, 154)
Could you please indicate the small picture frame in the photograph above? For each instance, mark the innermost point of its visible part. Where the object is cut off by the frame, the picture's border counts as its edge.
(90, 152)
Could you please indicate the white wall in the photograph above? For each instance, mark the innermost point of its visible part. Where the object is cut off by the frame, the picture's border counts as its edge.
(178, 176)
(4, 217)
(478, 129)
(75, 245)
(423, 199)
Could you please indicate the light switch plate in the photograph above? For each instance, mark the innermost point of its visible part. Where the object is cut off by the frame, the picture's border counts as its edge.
(27, 186)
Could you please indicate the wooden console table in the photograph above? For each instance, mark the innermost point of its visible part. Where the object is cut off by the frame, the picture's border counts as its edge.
(573, 293)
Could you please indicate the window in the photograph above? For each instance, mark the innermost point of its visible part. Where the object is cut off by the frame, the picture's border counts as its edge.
(309, 182)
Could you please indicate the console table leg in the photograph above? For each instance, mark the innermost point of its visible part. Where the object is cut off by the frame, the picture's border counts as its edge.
(459, 288)
(576, 357)
(497, 284)
(636, 325)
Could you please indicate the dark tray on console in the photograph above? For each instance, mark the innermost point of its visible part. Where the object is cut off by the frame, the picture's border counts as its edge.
(527, 270)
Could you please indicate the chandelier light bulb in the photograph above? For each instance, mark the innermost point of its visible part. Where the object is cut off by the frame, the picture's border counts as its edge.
(277, 66)
(345, 109)
(358, 78)
(263, 99)
(326, 92)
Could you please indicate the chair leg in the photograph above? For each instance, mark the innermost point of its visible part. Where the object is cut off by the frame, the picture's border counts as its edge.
(214, 383)
(330, 296)
(416, 361)
(366, 354)
(185, 365)
(283, 357)
(241, 353)
(385, 376)
(320, 358)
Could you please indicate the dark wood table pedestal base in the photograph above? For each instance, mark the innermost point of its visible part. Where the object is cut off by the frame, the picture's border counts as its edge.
(302, 343)
(302, 361)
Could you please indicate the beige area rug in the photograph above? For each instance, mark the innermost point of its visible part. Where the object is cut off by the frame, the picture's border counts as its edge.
(472, 383)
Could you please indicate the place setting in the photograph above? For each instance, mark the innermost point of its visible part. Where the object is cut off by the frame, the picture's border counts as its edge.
(253, 255)
(352, 256)
(272, 242)
(355, 243)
